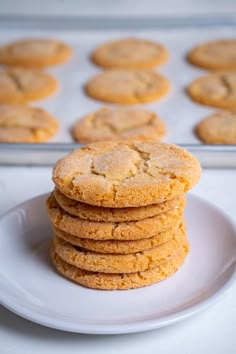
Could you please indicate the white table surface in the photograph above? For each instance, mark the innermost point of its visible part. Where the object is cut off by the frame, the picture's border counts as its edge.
(213, 331)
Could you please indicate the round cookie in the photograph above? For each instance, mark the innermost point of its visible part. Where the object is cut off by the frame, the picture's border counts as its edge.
(215, 55)
(127, 86)
(19, 85)
(130, 53)
(114, 246)
(119, 124)
(218, 128)
(21, 123)
(122, 174)
(216, 89)
(35, 52)
(132, 230)
(94, 213)
(119, 263)
(110, 281)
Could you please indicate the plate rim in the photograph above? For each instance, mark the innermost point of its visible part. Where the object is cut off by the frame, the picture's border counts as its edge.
(130, 327)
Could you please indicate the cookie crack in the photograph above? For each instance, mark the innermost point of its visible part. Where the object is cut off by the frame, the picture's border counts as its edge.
(16, 81)
(227, 85)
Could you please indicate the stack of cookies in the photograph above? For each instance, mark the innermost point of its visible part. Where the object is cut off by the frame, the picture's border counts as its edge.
(117, 213)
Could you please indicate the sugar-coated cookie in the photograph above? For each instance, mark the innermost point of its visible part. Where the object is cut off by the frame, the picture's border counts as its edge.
(130, 53)
(122, 174)
(127, 86)
(215, 55)
(119, 124)
(35, 52)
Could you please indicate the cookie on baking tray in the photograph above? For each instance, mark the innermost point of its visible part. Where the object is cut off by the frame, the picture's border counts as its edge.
(215, 89)
(21, 123)
(218, 128)
(35, 52)
(130, 53)
(119, 124)
(127, 86)
(19, 85)
(215, 55)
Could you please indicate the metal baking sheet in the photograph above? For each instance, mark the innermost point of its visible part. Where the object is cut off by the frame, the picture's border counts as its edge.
(70, 102)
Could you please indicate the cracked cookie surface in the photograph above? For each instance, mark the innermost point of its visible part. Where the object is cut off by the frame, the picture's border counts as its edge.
(116, 246)
(19, 85)
(119, 263)
(216, 89)
(119, 124)
(34, 52)
(131, 53)
(218, 128)
(132, 230)
(120, 174)
(21, 123)
(127, 86)
(95, 213)
(215, 55)
(109, 281)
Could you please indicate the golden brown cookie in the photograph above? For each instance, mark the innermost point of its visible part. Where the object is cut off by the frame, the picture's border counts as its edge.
(108, 281)
(119, 263)
(216, 89)
(130, 53)
(119, 124)
(215, 55)
(94, 213)
(218, 128)
(127, 86)
(35, 52)
(19, 85)
(114, 246)
(21, 123)
(120, 174)
(132, 230)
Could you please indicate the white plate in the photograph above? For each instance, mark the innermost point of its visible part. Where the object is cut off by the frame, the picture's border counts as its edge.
(30, 287)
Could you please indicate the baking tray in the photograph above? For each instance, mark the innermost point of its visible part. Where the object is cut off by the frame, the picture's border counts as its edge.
(70, 102)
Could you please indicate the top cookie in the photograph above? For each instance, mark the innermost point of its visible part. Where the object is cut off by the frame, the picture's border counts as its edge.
(21, 123)
(35, 52)
(119, 174)
(127, 86)
(215, 55)
(119, 124)
(218, 128)
(18, 85)
(216, 89)
(130, 53)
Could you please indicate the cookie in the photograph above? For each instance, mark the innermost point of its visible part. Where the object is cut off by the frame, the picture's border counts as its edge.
(119, 263)
(94, 213)
(218, 128)
(114, 246)
(132, 230)
(122, 174)
(35, 52)
(21, 123)
(127, 86)
(19, 85)
(216, 89)
(119, 124)
(108, 281)
(215, 55)
(130, 53)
